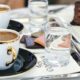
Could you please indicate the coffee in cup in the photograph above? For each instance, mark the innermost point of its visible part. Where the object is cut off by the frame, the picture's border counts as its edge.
(7, 36)
(9, 46)
(4, 16)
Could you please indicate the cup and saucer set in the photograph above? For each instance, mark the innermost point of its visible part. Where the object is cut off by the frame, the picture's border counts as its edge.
(13, 59)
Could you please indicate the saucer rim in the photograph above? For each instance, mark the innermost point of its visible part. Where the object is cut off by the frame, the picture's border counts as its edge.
(16, 22)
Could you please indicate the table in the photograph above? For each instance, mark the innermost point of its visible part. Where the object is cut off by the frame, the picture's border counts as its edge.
(37, 53)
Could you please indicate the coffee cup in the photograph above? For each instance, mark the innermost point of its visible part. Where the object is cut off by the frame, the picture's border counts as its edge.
(9, 46)
(4, 16)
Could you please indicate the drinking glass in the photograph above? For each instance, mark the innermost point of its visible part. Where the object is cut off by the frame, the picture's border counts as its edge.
(38, 11)
(57, 44)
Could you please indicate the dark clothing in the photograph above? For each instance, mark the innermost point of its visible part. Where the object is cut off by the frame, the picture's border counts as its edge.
(26, 3)
(50, 2)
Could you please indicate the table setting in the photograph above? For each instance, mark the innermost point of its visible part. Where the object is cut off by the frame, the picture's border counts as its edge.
(34, 60)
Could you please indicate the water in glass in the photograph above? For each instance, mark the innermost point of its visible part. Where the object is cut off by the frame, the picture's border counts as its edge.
(38, 14)
(58, 44)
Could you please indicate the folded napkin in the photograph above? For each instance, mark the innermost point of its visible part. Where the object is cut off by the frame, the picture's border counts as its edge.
(40, 40)
(32, 42)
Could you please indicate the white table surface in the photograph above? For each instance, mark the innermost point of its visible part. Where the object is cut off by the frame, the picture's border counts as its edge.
(42, 71)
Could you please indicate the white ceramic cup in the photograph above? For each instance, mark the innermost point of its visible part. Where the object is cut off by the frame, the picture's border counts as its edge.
(9, 47)
(4, 16)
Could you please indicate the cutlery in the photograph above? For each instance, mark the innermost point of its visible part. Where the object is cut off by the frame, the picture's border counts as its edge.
(76, 46)
(75, 53)
(56, 10)
(75, 39)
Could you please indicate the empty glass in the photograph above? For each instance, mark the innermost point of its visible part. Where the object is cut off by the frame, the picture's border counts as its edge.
(38, 11)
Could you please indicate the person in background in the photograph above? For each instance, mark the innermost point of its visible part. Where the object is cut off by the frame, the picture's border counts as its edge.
(23, 3)
(14, 3)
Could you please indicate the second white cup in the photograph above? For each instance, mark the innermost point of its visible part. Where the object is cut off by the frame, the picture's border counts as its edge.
(4, 16)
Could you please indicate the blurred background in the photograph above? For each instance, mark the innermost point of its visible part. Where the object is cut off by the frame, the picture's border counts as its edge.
(61, 1)
(23, 3)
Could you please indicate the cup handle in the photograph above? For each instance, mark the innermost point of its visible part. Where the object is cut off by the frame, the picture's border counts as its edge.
(11, 51)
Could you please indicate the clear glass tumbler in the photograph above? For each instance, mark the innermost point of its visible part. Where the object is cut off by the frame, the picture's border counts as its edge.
(38, 11)
(57, 44)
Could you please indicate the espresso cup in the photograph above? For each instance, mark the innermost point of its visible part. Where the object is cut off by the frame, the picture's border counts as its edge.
(9, 46)
(4, 16)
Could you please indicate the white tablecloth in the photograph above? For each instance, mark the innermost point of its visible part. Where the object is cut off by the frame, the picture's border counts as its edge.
(40, 69)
